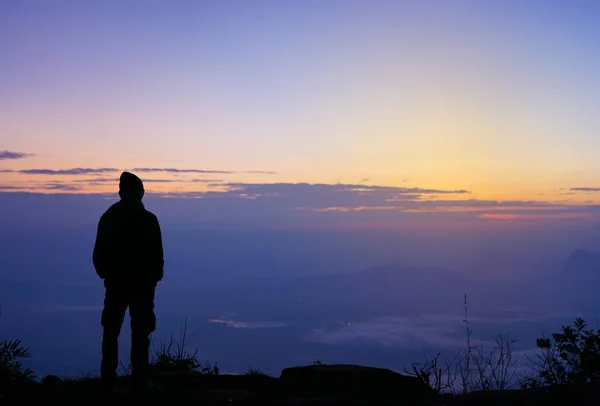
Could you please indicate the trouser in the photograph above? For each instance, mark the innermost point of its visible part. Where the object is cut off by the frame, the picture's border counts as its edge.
(140, 301)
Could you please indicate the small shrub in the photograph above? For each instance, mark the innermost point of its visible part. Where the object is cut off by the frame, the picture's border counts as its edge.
(173, 356)
(255, 372)
(470, 369)
(11, 369)
(473, 368)
(494, 369)
(439, 376)
(570, 356)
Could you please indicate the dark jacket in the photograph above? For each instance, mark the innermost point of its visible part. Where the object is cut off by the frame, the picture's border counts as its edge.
(128, 247)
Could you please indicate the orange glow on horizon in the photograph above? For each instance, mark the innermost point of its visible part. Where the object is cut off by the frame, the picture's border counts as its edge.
(545, 216)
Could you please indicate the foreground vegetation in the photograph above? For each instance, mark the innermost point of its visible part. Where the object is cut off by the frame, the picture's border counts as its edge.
(567, 364)
(570, 356)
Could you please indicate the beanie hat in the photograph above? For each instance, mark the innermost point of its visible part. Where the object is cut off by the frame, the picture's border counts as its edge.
(131, 187)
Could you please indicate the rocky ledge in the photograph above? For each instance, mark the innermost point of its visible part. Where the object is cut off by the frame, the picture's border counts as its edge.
(298, 386)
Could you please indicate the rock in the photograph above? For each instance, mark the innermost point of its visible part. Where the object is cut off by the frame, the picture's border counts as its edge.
(354, 381)
(51, 381)
(226, 397)
(196, 380)
(51, 385)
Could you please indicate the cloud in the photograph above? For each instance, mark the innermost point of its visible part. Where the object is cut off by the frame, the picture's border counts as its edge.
(97, 171)
(364, 201)
(175, 170)
(585, 189)
(57, 186)
(498, 216)
(440, 331)
(116, 180)
(72, 171)
(247, 325)
(263, 172)
(324, 206)
(290, 188)
(91, 171)
(475, 205)
(215, 182)
(537, 216)
(286, 206)
(342, 198)
(13, 155)
(351, 209)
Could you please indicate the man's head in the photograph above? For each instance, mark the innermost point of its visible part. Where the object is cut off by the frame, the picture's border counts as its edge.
(131, 187)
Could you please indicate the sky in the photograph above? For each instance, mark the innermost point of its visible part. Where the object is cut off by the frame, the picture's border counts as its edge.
(494, 98)
(452, 142)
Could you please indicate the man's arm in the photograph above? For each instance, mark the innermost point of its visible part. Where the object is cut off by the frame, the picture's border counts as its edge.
(100, 254)
(157, 249)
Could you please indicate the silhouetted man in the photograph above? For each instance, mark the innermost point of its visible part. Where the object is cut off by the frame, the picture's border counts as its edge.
(128, 255)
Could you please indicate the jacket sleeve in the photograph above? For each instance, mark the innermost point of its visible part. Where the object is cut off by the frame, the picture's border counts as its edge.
(157, 250)
(101, 249)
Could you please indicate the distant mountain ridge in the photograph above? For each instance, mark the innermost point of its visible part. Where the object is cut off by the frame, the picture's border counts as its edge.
(580, 278)
(582, 264)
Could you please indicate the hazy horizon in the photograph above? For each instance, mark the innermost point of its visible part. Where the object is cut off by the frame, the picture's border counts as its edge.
(331, 176)
(372, 296)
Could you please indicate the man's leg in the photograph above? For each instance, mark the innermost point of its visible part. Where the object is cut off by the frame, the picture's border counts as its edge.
(143, 323)
(115, 305)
